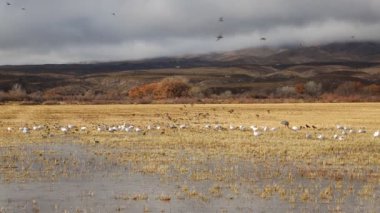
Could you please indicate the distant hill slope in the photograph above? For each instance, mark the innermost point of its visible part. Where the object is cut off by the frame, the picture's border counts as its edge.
(338, 68)
(352, 53)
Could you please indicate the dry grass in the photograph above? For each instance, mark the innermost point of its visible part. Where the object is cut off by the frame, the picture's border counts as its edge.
(274, 164)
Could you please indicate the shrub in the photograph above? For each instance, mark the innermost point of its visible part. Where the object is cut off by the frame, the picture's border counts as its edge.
(167, 88)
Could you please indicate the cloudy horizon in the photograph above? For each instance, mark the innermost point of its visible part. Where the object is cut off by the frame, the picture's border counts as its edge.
(53, 31)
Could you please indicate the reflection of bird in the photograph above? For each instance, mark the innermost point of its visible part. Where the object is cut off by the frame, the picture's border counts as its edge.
(221, 19)
(219, 37)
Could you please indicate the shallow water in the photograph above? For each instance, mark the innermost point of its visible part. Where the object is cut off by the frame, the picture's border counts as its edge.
(85, 182)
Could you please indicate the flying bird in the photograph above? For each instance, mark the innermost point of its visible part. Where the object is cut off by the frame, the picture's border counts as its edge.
(219, 37)
(8, 3)
(221, 19)
(23, 8)
(114, 14)
(263, 39)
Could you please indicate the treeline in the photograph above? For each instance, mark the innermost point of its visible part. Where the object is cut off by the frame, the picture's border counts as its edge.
(181, 90)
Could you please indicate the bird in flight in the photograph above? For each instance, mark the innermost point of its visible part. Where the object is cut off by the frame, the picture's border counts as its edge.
(114, 14)
(263, 39)
(219, 37)
(8, 3)
(221, 19)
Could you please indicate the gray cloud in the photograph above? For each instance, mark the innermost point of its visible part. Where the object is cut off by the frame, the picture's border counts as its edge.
(56, 31)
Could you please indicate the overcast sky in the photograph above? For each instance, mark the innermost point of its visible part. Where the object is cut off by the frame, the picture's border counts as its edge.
(62, 31)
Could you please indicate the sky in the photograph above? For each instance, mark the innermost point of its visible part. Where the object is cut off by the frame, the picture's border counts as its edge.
(72, 31)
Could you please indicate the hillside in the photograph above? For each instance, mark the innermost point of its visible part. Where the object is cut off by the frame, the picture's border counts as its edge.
(252, 72)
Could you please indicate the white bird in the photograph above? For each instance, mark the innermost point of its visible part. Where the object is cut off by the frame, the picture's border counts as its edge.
(376, 134)
(121, 127)
(320, 136)
(242, 127)
(83, 128)
(112, 129)
(158, 127)
(265, 128)
(340, 127)
(182, 126)
(25, 130)
(273, 129)
(64, 129)
(309, 136)
(254, 128)
(138, 129)
(232, 127)
(295, 128)
(149, 127)
(70, 126)
(207, 126)
(335, 137)
(39, 127)
(256, 133)
(9, 129)
(218, 127)
(361, 131)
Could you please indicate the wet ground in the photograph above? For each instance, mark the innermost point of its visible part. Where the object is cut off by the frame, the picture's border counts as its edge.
(69, 177)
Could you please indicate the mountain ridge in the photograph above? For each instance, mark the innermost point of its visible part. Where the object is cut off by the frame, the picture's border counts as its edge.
(355, 53)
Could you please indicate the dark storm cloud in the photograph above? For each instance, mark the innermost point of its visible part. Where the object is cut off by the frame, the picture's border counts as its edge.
(56, 31)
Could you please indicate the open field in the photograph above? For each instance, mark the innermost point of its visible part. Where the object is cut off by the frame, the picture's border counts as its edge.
(190, 158)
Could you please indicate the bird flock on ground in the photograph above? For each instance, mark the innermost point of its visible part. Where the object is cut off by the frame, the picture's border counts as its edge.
(341, 132)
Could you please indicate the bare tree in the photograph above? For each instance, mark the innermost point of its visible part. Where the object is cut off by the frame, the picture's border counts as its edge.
(313, 89)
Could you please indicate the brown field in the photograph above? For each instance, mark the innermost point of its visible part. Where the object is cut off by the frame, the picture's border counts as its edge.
(192, 168)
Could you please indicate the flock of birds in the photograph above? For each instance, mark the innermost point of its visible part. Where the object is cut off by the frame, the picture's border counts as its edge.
(9, 4)
(341, 131)
(220, 36)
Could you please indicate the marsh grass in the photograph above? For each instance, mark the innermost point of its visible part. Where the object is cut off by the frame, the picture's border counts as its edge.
(280, 164)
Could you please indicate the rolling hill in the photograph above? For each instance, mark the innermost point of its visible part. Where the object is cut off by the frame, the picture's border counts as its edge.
(252, 70)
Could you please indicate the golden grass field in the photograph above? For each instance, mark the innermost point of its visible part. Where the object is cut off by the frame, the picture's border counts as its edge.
(280, 167)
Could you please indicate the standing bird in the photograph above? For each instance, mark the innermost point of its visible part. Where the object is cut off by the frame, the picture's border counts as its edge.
(256, 133)
(376, 134)
(309, 136)
(285, 123)
(320, 136)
